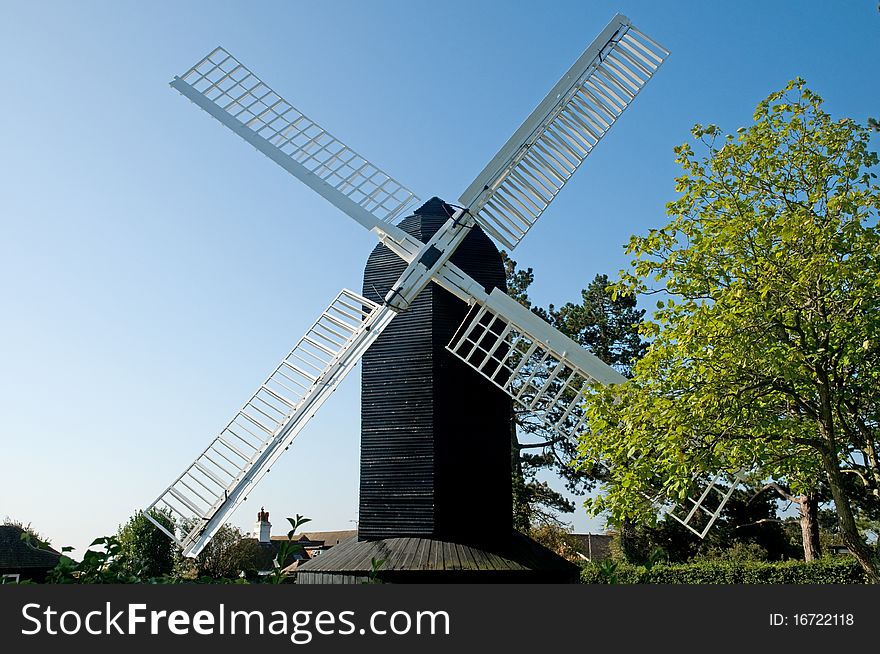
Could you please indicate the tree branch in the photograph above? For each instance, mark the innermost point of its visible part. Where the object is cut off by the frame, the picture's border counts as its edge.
(783, 492)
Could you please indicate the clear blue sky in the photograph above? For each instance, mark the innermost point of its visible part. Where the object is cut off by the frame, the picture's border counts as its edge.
(153, 267)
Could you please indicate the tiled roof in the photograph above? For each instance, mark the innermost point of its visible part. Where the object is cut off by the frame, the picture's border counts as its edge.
(326, 538)
(594, 547)
(16, 553)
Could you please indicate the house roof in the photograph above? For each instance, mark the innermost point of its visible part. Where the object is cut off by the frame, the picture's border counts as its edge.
(268, 552)
(16, 553)
(320, 538)
(265, 561)
(594, 546)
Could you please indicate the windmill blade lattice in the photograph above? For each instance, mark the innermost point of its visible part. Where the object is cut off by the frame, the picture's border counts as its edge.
(698, 514)
(229, 91)
(543, 370)
(221, 477)
(515, 188)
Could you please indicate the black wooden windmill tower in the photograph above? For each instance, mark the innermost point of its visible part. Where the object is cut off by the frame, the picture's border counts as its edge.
(440, 378)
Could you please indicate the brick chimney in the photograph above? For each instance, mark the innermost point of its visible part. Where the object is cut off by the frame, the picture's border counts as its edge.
(263, 528)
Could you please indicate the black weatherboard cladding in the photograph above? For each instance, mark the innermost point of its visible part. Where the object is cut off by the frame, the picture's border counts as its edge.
(435, 436)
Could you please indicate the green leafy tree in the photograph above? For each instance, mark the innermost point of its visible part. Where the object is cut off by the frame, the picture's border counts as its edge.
(144, 551)
(765, 348)
(523, 484)
(604, 323)
(608, 327)
(228, 554)
(98, 566)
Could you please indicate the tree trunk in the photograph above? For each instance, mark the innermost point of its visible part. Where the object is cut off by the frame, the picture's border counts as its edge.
(628, 545)
(809, 506)
(808, 510)
(849, 533)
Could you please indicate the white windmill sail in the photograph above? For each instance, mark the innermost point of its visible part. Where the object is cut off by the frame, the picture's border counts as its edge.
(547, 374)
(220, 478)
(531, 168)
(544, 371)
(698, 514)
(231, 93)
(514, 189)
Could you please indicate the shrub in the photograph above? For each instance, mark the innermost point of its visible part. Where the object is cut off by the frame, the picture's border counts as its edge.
(842, 570)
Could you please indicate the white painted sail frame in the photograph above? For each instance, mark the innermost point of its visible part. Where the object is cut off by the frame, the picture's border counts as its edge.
(518, 184)
(231, 93)
(220, 478)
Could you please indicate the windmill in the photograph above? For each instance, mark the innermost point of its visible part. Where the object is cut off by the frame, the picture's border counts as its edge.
(542, 370)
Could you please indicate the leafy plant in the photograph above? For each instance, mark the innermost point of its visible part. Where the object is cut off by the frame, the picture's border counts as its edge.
(295, 524)
(607, 570)
(287, 551)
(375, 566)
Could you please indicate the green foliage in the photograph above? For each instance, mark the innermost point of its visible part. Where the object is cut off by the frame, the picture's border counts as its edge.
(98, 566)
(837, 570)
(605, 323)
(144, 551)
(747, 524)
(765, 349)
(108, 565)
(287, 552)
(739, 551)
(135, 557)
(228, 554)
(373, 574)
(605, 570)
(29, 534)
(518, 281)
(295, 524)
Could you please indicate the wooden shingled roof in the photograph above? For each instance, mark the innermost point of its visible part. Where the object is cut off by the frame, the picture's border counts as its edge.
(424, 554)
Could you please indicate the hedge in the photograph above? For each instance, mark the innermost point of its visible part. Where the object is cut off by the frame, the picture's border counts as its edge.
(842, 570)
